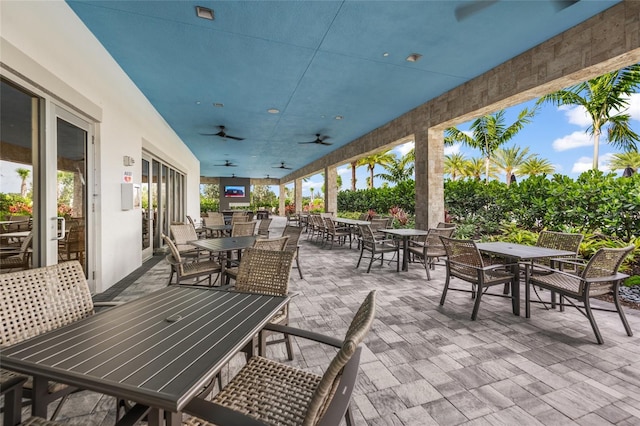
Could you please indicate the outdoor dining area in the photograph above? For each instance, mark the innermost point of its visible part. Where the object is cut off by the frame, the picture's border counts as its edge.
(398, 345)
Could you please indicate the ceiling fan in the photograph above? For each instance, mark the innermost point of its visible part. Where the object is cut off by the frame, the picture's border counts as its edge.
(227, 163)
(319, 140)
(282, 166)
(470, 8)
(223, 134)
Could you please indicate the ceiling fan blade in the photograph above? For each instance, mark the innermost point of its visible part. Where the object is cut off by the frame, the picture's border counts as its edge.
(563, 4)
(325, 143)
(471, 8)
(307, 142)
(234, 137)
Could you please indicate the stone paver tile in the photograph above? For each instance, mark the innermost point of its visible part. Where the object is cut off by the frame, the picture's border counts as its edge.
(578, 400)
(470, 405)
(379, 375)
(445, 413)
(416, 393)
(512, 416)
(417, 416)
(386, 401)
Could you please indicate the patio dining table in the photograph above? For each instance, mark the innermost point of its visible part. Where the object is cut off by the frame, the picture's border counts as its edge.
(520, 255)
(225, 246)
(160, 350)
(405, 234)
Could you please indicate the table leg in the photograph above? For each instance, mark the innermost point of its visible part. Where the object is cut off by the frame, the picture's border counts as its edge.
(405, 249)
(527, 292)
(38, 400)
(515, 289)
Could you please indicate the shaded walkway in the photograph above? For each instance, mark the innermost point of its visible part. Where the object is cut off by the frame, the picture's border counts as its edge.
(429, 365)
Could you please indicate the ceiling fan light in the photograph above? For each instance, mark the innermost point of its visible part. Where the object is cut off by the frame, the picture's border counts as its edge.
(414, 57)
(273, 110)
(205, 13)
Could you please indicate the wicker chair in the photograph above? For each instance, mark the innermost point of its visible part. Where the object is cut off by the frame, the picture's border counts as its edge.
(38, 300)
(187, 269)
(465, 262)
(73, 245)
(11, 389)
(276, 244)
(263, 227)
(446, 225)
(293, 219)
(268, 272)
(214, 219)
(182, 234)
(17, 258)
(333, 233)
(270, 393)
(598, 277)
(317, 227)
(558, 241)
(199, 230)
(377, 247)
(293, 232)
(243, 229)
(429, 247)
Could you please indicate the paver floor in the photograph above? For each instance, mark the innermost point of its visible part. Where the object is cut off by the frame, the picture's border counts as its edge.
(425, 364)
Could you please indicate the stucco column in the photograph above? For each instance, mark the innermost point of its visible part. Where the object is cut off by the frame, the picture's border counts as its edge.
(282, 198)
(429, 178)
(331, 190)
(297, 187)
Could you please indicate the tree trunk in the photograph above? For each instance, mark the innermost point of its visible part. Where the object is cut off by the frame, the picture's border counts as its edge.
(353, 176)
(596, 147)
(371, 178)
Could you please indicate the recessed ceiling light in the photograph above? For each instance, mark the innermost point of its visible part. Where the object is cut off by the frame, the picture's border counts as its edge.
(385, 54)
(273, 110)
(198, 102)
(414, 57)
(218, 104)
(204, 13)
(339, 117)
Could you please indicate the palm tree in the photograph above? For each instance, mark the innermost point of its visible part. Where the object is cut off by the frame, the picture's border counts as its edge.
(372, 161)
(510, 159)
(623, 160)
(536, 166)
(399, 170)
(454, 165)
(475, 168)
(489, 132)
(604, 98)
(24, 174)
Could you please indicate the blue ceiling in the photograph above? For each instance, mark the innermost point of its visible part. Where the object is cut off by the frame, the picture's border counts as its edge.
(311, 60)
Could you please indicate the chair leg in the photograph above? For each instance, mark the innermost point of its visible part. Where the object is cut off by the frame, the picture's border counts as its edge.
(360, 258)
(287, 341)
(616, 301)
(427, 266)
(370, 262)
(592, 320)
(348, 417)
(476, 305)
(298, 265)
(444, 289)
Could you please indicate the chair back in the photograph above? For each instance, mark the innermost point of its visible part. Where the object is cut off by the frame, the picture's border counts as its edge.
(243, 229)
(329, 225)
(293, 232)
(216, 220)
(379, 223)
(175, 253)
(276, 244)
(263, 227)
(264, 272)
(366, 233)
(42, 299)
(463, 258)
(26, 243)
(605, 262)
(331, 398)
(74, 242)
(558, 241)
(433, 241)
(191, 222)
(182, 234)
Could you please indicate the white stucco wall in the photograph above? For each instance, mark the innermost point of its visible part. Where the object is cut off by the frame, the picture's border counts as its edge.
(47, 44)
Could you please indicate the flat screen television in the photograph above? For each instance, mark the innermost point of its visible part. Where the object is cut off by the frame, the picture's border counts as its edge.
(231, 191)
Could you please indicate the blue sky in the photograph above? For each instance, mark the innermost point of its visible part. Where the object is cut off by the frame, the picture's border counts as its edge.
(555, 133)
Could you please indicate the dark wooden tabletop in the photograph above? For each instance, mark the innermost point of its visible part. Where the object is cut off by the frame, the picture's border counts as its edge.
(404, 232)
(224, 244)
(347, 221)
(159, 350)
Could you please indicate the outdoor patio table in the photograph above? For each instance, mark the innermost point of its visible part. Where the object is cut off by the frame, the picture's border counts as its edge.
(159, 350)
(405, 234)
(520, 254)
(225, 246)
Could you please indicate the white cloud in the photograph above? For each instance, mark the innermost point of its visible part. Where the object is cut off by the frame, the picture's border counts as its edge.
(344, 170)
(404, 148)
(453, 149)
(576, 115)
(634, 106)
(586, 163)
(574, 140)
